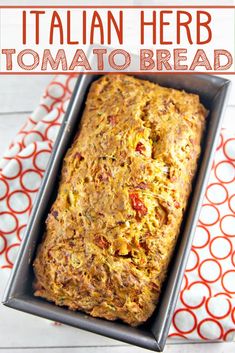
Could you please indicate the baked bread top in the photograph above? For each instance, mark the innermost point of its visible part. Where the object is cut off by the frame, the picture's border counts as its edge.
(124, 187)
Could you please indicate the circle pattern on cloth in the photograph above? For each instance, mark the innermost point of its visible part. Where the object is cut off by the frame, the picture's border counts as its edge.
(184, 321)
(177, 335)
(52, 117)
(32, 136)
(3, 244)
(231, 203)
(30, 180)
(13, 150)
(220, 247)
(229, 335)
(200, 287)
(21, 231)
(195, 296)
(193, 260)
(19, 201)
(218, 309)
(225, 172)
(216, 193)
(209, 215)
(11, 253)
(192, 302)
(52, 131)
(40, 112)
(210, 329)
(64, 106)
(229, 149)
(8, 222)
(4, 189)
(201, 237)
(70, 83)
(12, 170)
(210, 270)
(233, 258)
(227, 225)
(220, 143)
(223, 295)
(28, 151)
(228, 281)
(56, 91)
(41, 159)
(184, 284)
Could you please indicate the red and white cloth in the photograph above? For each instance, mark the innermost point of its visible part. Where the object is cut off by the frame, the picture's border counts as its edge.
(206, 306)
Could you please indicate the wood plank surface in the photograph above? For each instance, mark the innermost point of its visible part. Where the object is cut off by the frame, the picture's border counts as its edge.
(186, 348)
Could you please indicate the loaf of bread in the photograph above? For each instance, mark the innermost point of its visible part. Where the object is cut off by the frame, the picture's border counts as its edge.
(124, 186)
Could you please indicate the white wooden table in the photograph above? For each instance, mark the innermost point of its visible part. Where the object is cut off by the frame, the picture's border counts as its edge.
(20, 332)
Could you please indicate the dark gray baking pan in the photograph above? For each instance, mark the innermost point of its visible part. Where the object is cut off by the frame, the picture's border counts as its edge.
(152, 335)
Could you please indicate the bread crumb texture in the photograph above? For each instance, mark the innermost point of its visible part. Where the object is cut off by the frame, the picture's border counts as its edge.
(124, 186)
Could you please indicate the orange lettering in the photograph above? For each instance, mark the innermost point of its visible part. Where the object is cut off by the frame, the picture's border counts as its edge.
(34, 55)
(118, 28)
(54, 63)
(200, 59)
(178, 58)
(146, 59)
(163, 56)
(152, 23)
(8, 53)
(127, 59)
(56, 23)
(184, 24)
(205, 25)
(37, 14)
(100, 57)
(80, 59)
(96, 23)
(162, 25)
(217, 57)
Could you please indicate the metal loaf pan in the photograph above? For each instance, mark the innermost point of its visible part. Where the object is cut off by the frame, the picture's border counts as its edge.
(213, 93)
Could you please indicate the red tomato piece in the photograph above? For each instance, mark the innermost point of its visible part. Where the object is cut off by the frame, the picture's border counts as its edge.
(140, 147)
(138, 205)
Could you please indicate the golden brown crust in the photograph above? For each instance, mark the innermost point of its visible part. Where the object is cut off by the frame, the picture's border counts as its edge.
(124, 186)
